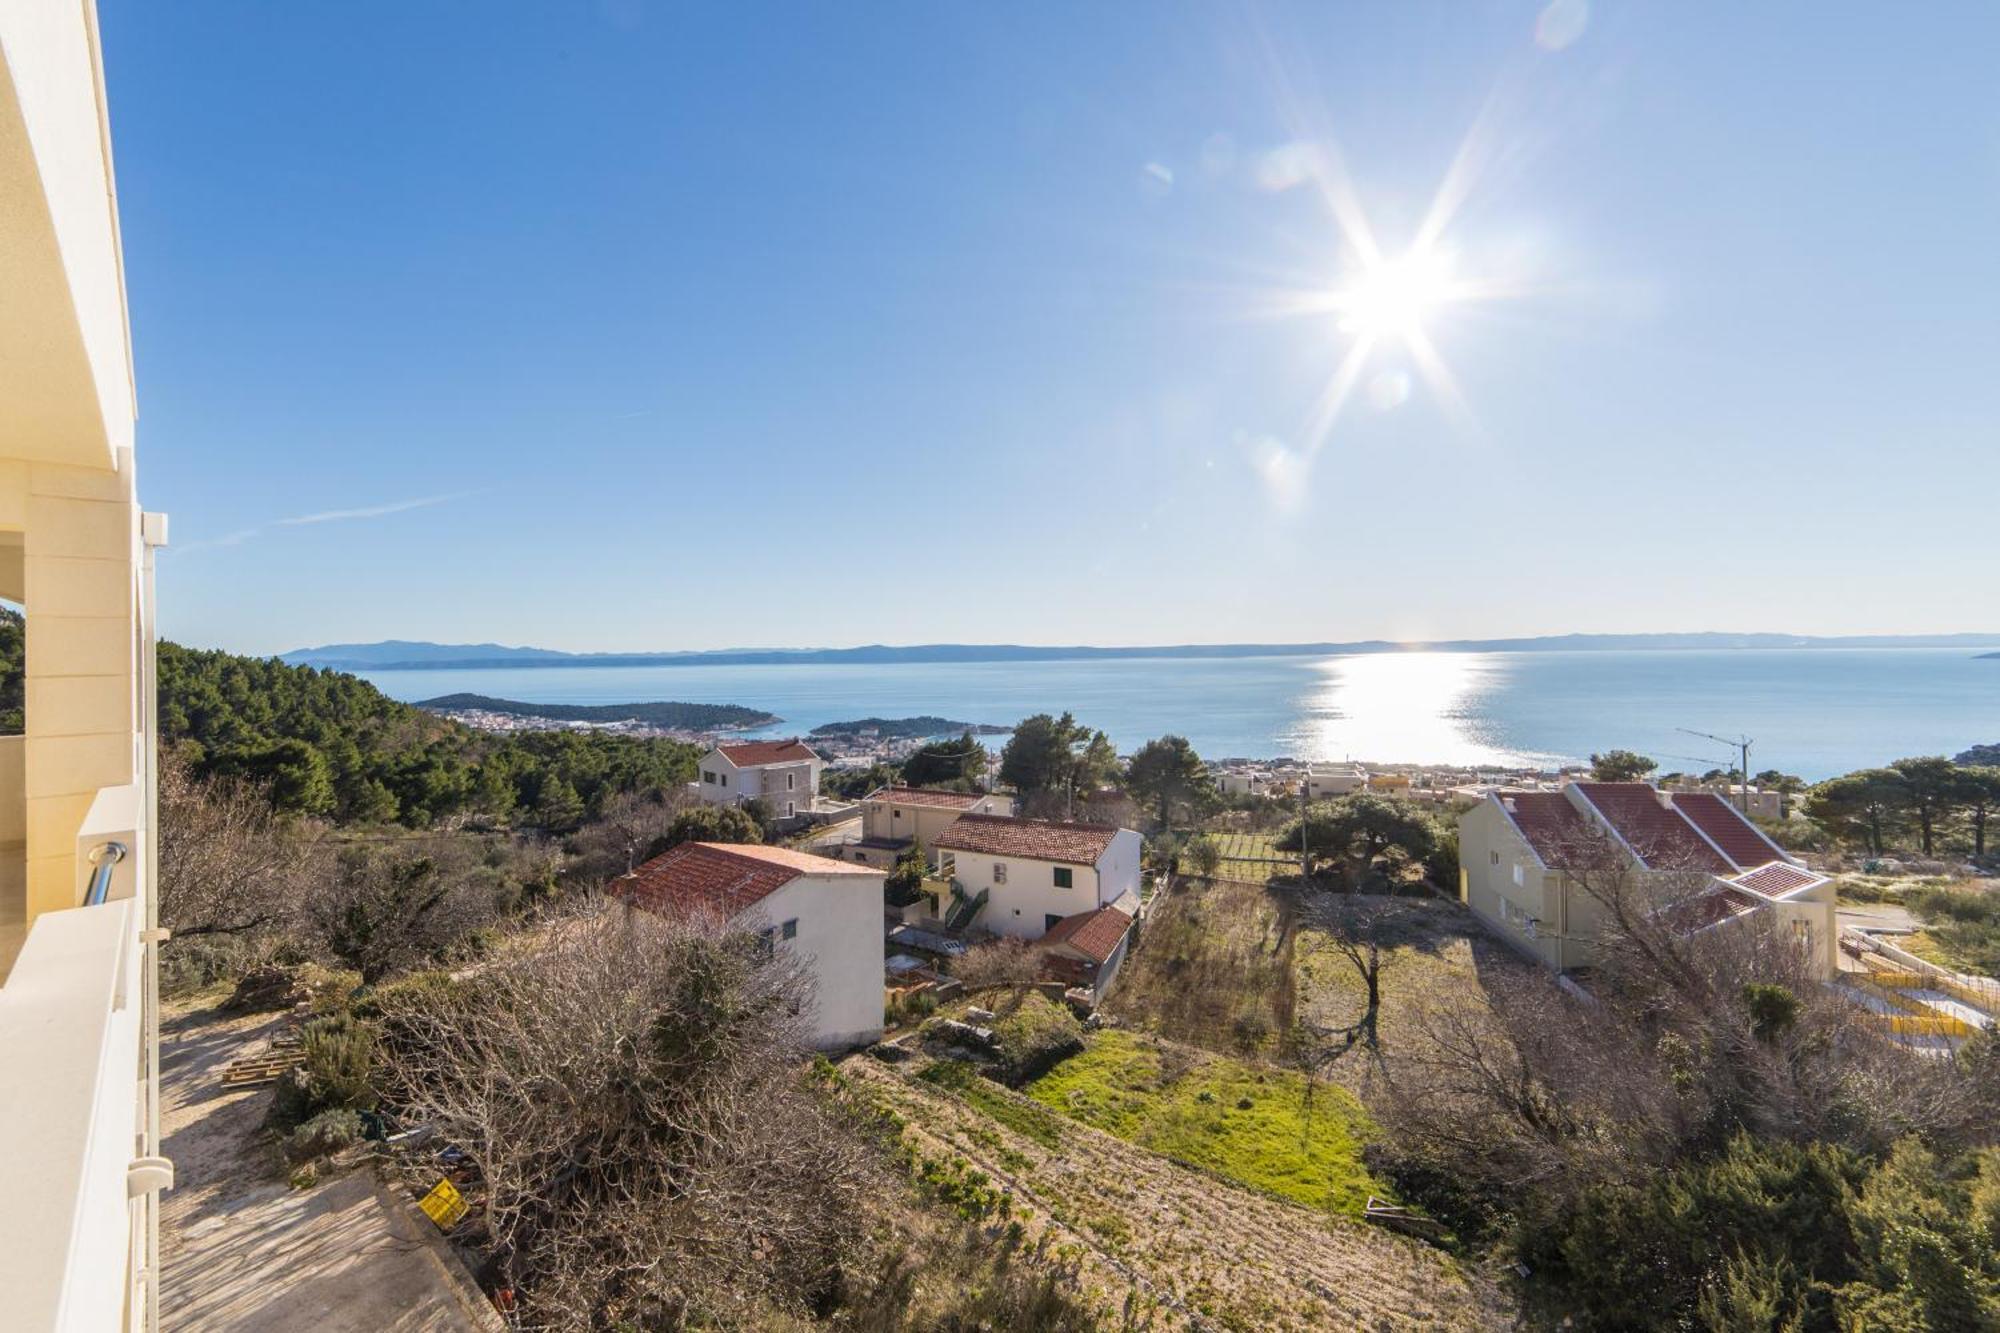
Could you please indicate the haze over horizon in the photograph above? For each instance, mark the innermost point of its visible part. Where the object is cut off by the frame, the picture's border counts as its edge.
(633, 329)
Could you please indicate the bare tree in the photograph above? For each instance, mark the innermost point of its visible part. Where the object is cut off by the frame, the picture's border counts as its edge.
(1003, 961)
(230, 868)
(652, 1152)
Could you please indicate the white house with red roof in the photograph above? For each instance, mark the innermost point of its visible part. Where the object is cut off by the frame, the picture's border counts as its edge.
(1513, 846)
(782, 774)
(1022, 877)
(827, 912)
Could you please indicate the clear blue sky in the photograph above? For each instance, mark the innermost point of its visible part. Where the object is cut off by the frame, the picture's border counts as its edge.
(623, 326)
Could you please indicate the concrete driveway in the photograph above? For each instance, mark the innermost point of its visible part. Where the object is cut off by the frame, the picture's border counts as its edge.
(241, 1250)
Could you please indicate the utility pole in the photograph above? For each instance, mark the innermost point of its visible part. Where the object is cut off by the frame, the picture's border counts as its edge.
(1305, 825)
(1741, 744)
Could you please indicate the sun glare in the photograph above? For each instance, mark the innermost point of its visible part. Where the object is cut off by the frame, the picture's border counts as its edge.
(1391, 298)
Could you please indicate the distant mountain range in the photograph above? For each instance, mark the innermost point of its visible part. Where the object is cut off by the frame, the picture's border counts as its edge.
(409, 655)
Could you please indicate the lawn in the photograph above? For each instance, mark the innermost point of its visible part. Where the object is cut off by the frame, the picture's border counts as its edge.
(1253, 857)
(1258, 1126)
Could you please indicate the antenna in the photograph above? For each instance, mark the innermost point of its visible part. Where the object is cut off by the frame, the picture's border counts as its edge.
(1741, 744)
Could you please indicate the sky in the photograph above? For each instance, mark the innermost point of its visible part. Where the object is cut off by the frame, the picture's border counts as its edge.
(637, 326)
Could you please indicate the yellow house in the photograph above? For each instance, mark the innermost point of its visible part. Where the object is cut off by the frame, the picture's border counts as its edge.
(1513, 847)
(892, 818)
(79, 1108)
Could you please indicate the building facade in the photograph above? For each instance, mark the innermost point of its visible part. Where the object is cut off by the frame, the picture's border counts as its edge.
(782, 774)
(1519, 852)
(1036, 872)
(79, 923)
(827, 912)
(894, 818)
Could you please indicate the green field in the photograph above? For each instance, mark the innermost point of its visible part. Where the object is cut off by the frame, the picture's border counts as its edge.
(1253, 857)
(1251, 1124)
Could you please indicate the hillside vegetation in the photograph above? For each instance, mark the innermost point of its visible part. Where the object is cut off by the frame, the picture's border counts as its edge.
(330, 744)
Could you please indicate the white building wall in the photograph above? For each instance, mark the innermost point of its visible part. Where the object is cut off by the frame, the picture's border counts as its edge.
(1020, 907)
(840, 931)
(1118, 868)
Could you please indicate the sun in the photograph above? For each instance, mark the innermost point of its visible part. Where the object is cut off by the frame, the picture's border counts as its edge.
(1392, 298)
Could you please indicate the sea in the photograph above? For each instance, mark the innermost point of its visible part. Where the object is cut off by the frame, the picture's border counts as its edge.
(1814, 712)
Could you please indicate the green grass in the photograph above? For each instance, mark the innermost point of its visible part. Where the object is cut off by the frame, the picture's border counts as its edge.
(1028, 1119)
(1245, 1123)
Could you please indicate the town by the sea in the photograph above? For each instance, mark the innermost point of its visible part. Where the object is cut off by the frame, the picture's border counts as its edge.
(1810, 711)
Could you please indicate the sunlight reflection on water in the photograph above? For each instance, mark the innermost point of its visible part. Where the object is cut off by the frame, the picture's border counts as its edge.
(1395, 706)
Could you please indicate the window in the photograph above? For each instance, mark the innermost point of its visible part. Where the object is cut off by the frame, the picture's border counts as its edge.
(1495, 856)
(791, 808)
(708, 776)
(791, 781)
(1000, 874)
(724, 780)
(766, 944)
(1063, 877)
(1049, 920)
(895, 813)
(790, 930)
(1520, 875)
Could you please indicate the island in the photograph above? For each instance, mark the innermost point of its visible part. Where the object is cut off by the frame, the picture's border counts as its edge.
(669, 716)
(906, 728)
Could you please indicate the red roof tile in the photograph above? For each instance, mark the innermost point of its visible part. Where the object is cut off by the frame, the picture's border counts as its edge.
(749, 754)
(725, 878)
(1656, 832)
(1552, 826)
(1035, 839)
(1096, 935)
(925, 796)
(1740, 840)
(1778, 879)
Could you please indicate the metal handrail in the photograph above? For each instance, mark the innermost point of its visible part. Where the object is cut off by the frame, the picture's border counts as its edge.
(106, 858)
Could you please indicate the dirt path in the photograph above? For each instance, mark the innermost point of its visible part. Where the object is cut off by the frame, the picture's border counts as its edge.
(242, 1250)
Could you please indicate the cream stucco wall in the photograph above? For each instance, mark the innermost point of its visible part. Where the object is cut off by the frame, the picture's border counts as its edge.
(65, 372)
(889, 819)
(840, 929)
(1506, 886)
(1021, 906)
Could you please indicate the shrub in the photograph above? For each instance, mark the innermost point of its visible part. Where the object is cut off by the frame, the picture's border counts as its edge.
(323, 1135)
(1202, 855)
(335, 1073)
(1034, 1036)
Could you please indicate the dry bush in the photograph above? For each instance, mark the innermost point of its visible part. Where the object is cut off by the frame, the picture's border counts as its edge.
(384, 909)
(633, 1095)
(1003, 961)
(234, 876)
(1692, 1038)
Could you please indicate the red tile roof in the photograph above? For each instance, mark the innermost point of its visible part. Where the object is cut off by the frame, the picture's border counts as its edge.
(749, 754)
(1552, 826)
(1778, 879)
(1712, 906)
(725, 878)
(1656, 832)
(1035, 839)
(1096, 934)
(1740, 840)
(942, 800)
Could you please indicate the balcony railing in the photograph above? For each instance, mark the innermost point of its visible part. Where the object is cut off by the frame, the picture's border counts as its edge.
(78, 1105)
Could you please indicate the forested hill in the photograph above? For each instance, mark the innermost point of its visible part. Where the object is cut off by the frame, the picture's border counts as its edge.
(331, 744)
(693, 717)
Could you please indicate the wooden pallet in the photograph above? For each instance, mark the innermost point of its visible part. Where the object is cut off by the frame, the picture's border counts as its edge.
(250, 1070)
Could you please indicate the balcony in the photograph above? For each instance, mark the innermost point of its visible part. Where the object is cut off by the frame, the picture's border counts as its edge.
(75, 1013)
